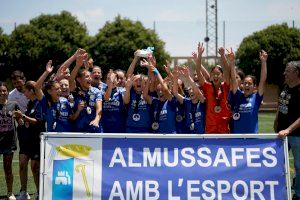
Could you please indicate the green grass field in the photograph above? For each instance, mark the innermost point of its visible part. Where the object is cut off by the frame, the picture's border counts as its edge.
(265, 126)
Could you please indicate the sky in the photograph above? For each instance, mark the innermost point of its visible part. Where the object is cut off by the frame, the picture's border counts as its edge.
(179, 23)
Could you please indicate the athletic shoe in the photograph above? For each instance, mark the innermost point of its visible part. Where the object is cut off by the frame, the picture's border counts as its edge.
(23, 195)
(11, 196)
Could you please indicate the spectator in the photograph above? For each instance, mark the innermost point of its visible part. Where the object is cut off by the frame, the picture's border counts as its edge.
(7, 137)
(17, 94)
(287, 122)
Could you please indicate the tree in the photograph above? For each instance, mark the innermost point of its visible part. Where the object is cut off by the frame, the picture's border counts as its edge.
(282, 45)
(115, 44)
(3, 54)
(46, 37)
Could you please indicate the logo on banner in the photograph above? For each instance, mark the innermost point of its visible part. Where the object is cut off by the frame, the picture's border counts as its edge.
(72, 176)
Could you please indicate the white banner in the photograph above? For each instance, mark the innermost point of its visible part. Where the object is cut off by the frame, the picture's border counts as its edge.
(72, 168)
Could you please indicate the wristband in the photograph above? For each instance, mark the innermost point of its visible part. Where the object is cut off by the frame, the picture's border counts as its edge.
(155, 72)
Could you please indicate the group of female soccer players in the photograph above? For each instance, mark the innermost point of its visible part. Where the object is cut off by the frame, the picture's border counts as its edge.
(76, 100)
(127, 103)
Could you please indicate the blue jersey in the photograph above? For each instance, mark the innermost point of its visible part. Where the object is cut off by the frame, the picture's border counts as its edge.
(57, 115)
(194, 116)
(101, 86)
(180, 118)
(138, 114)
(88, 114)
(165, 115)
(247, 107)
(113, 114)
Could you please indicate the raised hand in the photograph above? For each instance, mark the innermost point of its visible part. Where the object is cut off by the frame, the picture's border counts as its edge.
(200, 50)
(263, 56)
(79, 52)
(221, 51)
(185, 71)
(49, 67)
(145, 63)
(129, 81)
(167, 67)
(230, 55)
(176, 72)
(151, 59)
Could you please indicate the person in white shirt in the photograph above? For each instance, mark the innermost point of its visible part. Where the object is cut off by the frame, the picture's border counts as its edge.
(17, 94)
(18, 81)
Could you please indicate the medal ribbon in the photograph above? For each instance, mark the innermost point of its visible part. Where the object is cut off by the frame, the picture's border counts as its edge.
(136, 105)
(195, 107)
(159, 108)
(216, 94)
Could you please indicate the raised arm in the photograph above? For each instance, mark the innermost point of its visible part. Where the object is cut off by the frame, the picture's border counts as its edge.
(263, 72)
(132, 66)
(66, 65)
(178, 96)
(81, 56)
(199, 61)
(145, 86)
(225, 65)
(41, 80)
(111, 81)
(186, 73)
(231, 61)
(167, 68)
(198, 58)
(128, 85)
(156, 73)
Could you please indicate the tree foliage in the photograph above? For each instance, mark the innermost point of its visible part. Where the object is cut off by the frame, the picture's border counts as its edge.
(282, 45)
(3, 53)
(46, 37)
(115, 44)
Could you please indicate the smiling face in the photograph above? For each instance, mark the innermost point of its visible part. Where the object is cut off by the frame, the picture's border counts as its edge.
(3, 93)
(216, 75)
(248, 86)
(290, 74)
(84, 80)
(18, 83)
(29, 94)
(96, 75)
(120, 78)
(137, 84)
(65, 87)
(192, 95)
(54, 92)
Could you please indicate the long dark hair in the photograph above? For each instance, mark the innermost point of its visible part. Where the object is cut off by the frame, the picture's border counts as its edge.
(48, 86)
(3, 84)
